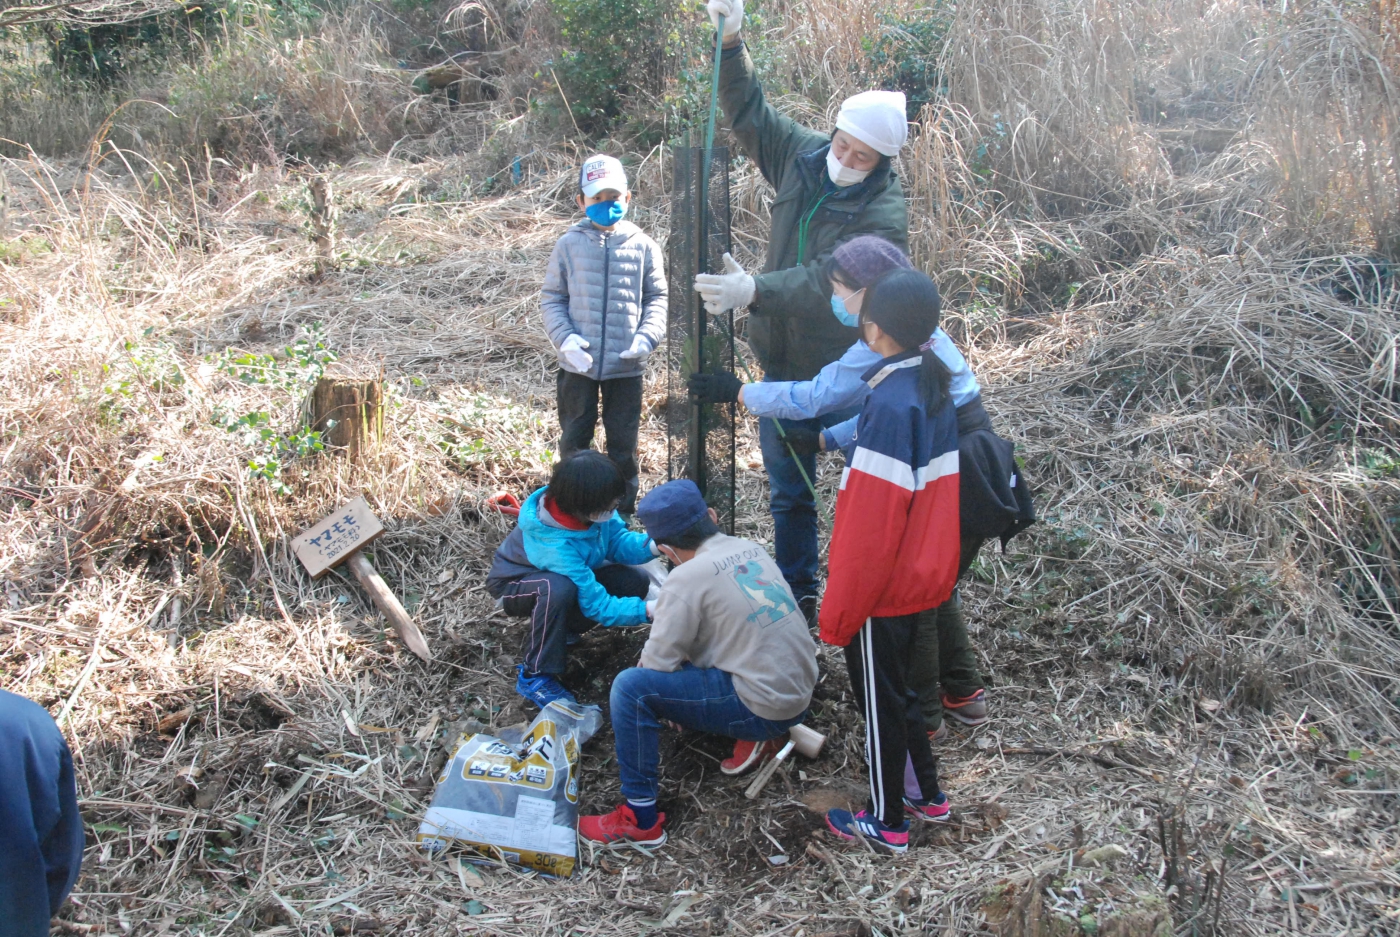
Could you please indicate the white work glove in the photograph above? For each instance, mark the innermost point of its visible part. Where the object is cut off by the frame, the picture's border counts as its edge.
(651, 611)
(572, 355)
(732, 289)
(641, 347)
(733, 12)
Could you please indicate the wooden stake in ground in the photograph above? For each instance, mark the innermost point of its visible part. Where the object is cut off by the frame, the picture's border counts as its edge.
(323, 215)
(349, 414)
(341, 538)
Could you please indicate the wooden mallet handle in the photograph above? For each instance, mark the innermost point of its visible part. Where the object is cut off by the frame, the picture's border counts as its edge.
(766, 772)
(388, 603)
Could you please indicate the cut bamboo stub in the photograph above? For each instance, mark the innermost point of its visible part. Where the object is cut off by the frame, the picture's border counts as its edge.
(349, 413)
(765, 773)
(806, 741)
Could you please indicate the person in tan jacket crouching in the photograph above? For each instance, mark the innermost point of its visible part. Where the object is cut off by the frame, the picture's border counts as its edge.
(729, 653)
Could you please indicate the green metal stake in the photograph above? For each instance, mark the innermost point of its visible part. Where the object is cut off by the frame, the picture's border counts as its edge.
(705, 177)
(714, 90)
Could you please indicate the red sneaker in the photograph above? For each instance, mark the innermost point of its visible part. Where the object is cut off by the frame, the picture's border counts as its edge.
(621, 824)
(938, 734)
(932, 811)
(969, 710)
(748, 755)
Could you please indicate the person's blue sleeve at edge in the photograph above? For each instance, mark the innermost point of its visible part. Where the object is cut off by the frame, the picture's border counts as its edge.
(41, 832)
(836, 386)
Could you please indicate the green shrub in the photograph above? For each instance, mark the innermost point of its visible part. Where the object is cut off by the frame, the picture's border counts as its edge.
(905, 54)
(106, 53)
(615, 50)
(270, 449)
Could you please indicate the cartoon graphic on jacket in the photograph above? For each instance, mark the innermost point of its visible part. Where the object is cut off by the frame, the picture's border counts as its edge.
(896, 544)
(539, 544)
(771, 600)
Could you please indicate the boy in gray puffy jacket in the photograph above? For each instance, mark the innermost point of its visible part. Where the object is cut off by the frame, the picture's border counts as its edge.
(604, 302)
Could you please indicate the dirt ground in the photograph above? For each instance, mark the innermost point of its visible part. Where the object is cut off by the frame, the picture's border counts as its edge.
(257, 764)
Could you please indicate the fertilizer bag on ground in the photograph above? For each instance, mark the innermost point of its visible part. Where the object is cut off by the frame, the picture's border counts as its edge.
(515, 796)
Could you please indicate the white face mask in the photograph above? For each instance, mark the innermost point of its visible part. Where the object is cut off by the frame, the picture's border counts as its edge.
(842, 175)
(601, 516)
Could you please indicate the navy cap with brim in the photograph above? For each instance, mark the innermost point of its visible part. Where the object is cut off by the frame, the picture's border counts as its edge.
(670, 509)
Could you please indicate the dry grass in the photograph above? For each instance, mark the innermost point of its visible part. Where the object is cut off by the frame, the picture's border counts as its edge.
(1193, 345)
(254, 84)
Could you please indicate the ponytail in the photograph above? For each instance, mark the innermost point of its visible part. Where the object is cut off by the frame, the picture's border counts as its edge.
(934, 379)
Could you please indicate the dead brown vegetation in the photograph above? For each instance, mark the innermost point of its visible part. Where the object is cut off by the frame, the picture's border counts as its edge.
(1166, 229)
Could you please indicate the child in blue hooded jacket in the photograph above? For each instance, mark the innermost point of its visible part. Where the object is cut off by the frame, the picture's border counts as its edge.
(568, 565)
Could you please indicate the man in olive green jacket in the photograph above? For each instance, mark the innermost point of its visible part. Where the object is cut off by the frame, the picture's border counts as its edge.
(828, 189)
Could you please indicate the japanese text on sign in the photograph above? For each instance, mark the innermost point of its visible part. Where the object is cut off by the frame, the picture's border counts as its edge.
(334, 538)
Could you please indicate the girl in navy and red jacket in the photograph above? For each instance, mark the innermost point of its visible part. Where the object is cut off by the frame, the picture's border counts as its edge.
(895, 549)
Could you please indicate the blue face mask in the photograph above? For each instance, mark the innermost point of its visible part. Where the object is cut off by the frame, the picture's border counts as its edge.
(605, 214)
(838, 308)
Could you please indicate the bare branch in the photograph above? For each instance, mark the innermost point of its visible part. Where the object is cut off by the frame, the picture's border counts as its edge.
(84, 13)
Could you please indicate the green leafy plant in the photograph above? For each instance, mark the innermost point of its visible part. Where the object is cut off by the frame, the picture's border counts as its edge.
(152, 366)
(480, 428)
(904, 54)
(303, 363)
(274, 449)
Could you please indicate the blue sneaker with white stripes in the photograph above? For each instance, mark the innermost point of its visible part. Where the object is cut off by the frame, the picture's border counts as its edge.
(540, 688)
(846, 825)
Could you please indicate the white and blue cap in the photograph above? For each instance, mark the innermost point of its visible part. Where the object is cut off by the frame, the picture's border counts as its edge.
(601, 172)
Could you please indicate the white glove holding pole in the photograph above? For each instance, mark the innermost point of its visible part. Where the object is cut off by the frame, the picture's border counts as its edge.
(641, 347)
(731, 10)
(572, 356)
(732, 289)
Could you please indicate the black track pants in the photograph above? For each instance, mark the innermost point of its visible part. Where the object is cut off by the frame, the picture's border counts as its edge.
(876, 660)
(622, 414)
(556, 613)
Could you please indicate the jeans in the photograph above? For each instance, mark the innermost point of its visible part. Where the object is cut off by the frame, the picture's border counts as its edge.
(794, 511)
(556, 613)
(622, 414)
(702, 700)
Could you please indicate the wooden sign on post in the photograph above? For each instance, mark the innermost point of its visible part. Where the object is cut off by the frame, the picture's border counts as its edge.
(339, 538)
(336, 536)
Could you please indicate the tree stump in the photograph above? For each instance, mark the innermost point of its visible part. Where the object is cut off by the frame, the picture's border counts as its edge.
(349, 414)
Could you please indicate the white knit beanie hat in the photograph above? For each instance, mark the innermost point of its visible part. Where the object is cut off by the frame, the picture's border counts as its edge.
(875, 118)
